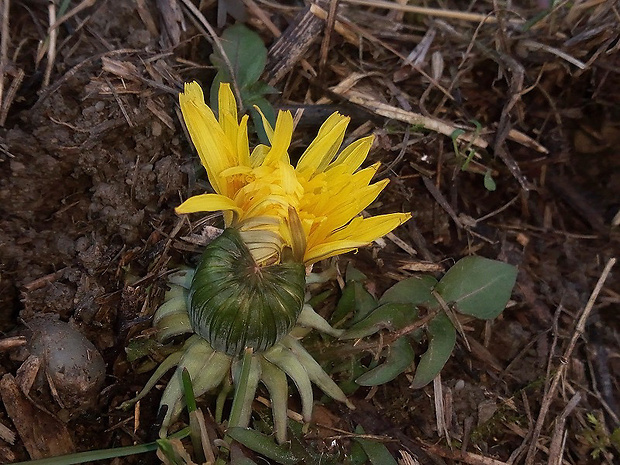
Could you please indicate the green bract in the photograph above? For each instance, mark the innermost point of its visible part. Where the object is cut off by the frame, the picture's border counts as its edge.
(234, 304)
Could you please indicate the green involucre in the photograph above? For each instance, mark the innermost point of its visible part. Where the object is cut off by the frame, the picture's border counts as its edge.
(235, 304)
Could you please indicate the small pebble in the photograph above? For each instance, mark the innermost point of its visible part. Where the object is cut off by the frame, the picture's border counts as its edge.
(156, 129)
(72, 362)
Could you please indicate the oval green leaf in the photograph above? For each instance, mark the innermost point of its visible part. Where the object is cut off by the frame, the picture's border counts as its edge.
(415, 290)
(355, 304)
(262, 444)
(246, 53)
(442, 337)
(400, 357)
(388, 316)
(478, 286)
(377, 453)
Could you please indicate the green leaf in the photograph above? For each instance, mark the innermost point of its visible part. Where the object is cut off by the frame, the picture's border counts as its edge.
(388, 316)
(246, 53)
(478, 286)
(214, 91)
(456, 133)
(354, 369)
(615, 439)
(260, 88)
(188, 389)
(356, 303)
(442, 337)
(262, 444)
(377, 453)
(400, 357)
(101, 454)
(415, 290)
(357, 455)
(353, 274)
(489, 182)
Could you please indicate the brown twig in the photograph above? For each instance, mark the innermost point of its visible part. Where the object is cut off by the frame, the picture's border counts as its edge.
(398, 114)
(4, 45)
(329, 28)
(51, 48)
(435, 12)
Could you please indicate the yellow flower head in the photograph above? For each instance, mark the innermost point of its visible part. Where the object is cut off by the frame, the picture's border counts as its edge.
(313, 208)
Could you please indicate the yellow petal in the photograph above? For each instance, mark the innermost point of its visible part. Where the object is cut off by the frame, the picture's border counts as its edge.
(207, 203)
(243, 146)
(258, 155)
(214, 149)
(354, 154)
(369, 229)
(330, 249)
(365, 197)
(358, 233)
(266, 124)
(281, 138)
(227, 105)
(234, 170)
(324, 147)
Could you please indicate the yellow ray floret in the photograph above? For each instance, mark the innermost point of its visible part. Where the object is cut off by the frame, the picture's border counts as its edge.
(326, 192)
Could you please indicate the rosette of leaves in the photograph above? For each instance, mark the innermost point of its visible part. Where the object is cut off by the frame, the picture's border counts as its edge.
(474, 286)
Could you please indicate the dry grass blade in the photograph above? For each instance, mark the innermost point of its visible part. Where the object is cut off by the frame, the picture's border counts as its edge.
(465, 457)
(416, 119)
(4, 45)
(436, 12)
(7, 435)
(558, 441)
(51, 48)
(10, 95)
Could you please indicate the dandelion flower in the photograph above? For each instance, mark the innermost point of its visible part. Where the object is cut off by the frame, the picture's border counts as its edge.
(245, 299)
(322, 196)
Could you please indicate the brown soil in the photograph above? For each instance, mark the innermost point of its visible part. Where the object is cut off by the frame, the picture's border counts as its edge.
(94, 159)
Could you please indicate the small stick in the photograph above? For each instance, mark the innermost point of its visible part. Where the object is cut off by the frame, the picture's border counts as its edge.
(51, 51)
(410, 117)
(437, 12)
(4, 45)
(11, 342)
(329, 27)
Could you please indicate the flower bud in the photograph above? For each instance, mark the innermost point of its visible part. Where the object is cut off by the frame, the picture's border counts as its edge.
(236, 304)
